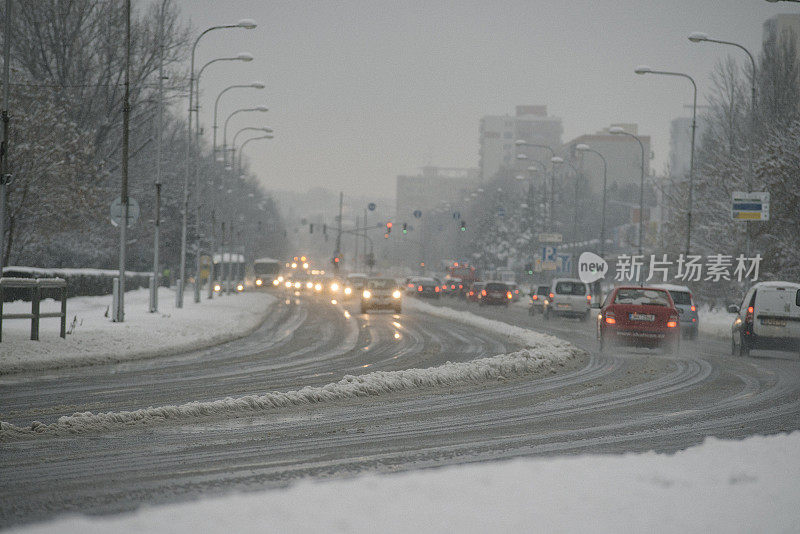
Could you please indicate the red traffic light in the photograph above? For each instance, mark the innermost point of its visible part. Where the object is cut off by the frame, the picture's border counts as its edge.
(388, 225)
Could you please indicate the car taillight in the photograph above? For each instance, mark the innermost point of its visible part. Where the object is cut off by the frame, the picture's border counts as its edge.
(436, 289)
(588, 298)
(748, 318)
(610, 318)
(694, 308)
(535, 297)
(483, 293)
(673, 321)
(516, 291)
(551, 296)
(419, 288)
(460, 286)
(509, 295)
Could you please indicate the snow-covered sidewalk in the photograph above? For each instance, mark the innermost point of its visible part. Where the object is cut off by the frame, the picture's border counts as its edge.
(719, 486)
(96, 339)
(716, 323)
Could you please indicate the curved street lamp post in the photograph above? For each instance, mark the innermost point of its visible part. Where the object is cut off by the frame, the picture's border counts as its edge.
(616, 130)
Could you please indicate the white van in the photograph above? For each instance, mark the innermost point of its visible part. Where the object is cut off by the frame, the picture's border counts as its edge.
(768, 318)
(569, 297)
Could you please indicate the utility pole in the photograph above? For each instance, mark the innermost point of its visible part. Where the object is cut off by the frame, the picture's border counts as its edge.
(366, 257)
(338, 248)
(5, 176)
(355, 254)
(211, 276)
(159, 128)
(119, 312)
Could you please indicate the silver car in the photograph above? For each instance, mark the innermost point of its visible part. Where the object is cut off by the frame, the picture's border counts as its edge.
(687, 309)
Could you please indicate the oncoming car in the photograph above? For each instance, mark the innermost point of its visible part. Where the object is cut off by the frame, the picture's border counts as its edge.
(381, 293)
(639, 316)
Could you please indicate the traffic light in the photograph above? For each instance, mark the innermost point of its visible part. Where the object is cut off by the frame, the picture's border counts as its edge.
(324, 229)
(463, 226)
(336, 260)
(311, 228)
(388, 227)
(529, 268)
(405, 228)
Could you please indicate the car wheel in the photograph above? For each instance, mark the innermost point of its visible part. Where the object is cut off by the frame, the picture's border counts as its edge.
(744, 347)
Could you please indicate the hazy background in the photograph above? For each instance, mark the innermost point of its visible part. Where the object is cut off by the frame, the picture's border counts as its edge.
(360, 92)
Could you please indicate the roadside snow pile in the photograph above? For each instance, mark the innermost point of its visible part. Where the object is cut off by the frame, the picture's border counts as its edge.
(719, 486)
(533, 340)
(716, 323)
(95, 339)
(502, 367)
(543, 355)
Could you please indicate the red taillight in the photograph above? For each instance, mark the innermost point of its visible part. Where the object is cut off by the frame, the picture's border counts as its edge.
(436, 289)
(694, 308)
(483, 293)
(516, 291)
(460, 286)
(610, 318)
(552, 296)
(750, 310)
(419, 288)
(672, 323)
(509, 295)
(535, 297)
(588, 298)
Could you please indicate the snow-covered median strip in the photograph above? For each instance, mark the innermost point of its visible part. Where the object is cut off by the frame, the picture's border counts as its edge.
(543, 355)
(719, 486)
(95, 339)
(542, 343)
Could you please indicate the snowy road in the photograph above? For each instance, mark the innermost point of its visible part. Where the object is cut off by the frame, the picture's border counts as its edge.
(627, 401)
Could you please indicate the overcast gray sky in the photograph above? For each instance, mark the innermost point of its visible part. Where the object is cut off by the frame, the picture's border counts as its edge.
(360, 92)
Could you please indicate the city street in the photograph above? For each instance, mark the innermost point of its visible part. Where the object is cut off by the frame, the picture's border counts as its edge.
(627, 401)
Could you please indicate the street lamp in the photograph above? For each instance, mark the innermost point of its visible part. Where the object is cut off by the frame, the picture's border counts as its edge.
(616, 130)
(252, 85)
(262, 109)
(236, 136)
(244, 144)
(585, 148)
(247, 24)
(699, 37)
(644, 69)
(555, 160)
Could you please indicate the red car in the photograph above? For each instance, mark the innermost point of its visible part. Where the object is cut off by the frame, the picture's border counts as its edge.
(639, 316)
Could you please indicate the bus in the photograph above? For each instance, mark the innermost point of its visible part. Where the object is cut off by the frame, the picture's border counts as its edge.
(265, 270)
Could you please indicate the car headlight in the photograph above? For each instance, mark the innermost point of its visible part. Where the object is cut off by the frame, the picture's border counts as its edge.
(317, 287)
(239, 287)
(259, 282)
(280, 279)
(347, 291)
(334, 287)
(217, 287)
(297, 285)
(366, 294)
(274, 283)
(309, 285)
(396, 294)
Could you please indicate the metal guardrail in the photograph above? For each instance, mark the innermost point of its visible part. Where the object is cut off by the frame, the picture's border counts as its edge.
(36, 285)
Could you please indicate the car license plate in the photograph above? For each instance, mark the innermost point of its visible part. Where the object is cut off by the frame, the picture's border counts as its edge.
(642, 317)
(768, 321)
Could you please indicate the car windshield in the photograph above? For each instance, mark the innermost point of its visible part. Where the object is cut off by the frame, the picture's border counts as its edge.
(681, 298)
(496, 287)
(381, 283)
(571, 288)
(543, 290)
(650, 297)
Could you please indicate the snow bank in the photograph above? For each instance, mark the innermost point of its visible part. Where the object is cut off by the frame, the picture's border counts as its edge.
(543, 354)
(529, 338)
(719, 486)
(95, 339)
(504, 366)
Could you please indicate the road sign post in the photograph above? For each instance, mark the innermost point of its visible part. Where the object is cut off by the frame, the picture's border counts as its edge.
(117, 209)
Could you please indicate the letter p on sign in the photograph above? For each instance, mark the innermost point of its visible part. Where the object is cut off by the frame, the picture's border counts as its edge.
(591, 267)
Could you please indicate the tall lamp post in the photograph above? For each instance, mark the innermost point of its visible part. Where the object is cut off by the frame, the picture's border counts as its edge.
(244, 144)
(247, 24)
(644, 69)
(236, 136)
(700, 37)
(585, 148)
(262, 109)
(555, 160)
(616, 130)
(252, 85)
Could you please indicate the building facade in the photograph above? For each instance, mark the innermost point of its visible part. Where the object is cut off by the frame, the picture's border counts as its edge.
(498, 134)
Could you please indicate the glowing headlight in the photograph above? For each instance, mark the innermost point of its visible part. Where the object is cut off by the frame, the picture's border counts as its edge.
(217, 287)
(297, 285)
(396, 294)
(294, 266)
(280, 279)
(288, 284)
(334, 287)
(305, 266)
(366, 294)
(259, 282)
(318, 287)
(309, 285)
(239, 287)
(347, 291)
(274, 283)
